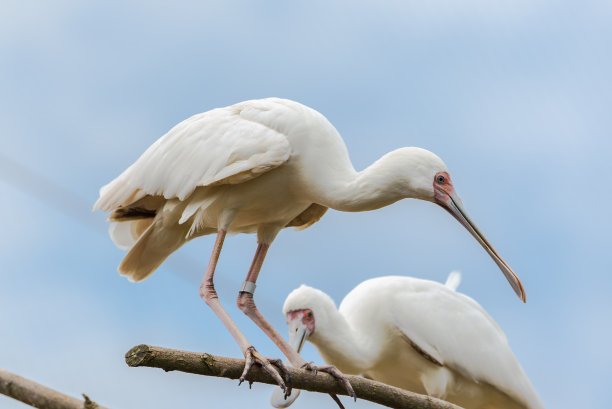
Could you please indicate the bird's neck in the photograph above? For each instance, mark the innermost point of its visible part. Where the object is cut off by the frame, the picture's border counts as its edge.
(379, 185)
(341, 346)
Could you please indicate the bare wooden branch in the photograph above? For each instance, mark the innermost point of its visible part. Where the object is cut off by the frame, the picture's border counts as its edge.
(39, 396)
(211, 365)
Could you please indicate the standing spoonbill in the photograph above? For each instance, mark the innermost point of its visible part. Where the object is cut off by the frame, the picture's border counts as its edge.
(415, 334)
(257, 167)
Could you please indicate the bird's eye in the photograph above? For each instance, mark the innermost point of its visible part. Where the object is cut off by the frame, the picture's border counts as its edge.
(309, 315)
(441, 179)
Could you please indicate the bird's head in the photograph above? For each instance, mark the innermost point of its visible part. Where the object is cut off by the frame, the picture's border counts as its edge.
(301, 325)
(306, 309)
(300, 308)
(426, 177)
(416, 170)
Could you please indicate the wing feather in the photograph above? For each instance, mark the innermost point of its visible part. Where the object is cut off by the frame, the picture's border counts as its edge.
(225, 145)
(458, 332)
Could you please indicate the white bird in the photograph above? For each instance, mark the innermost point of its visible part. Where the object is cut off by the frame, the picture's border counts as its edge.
(415, 334)
(257, 167)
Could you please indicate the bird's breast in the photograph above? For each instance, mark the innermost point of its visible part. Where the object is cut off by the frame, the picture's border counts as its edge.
(270, 199)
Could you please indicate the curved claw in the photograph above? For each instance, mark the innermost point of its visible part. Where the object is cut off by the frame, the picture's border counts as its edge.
(251, 356)
(310, 366)
(333, 371)
(283, 369)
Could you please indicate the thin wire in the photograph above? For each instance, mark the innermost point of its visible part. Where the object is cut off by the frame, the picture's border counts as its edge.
(47, 191)
(76, 207)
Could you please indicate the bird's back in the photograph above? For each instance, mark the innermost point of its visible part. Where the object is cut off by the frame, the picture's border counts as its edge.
(463, 355)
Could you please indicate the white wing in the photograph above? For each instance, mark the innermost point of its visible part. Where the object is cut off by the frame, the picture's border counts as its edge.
(224, 145)
(456, 331)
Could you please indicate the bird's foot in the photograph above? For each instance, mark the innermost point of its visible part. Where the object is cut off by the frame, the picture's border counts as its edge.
(333, 371)
(270, 365)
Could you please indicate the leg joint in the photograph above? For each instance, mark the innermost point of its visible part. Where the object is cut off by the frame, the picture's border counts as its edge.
(208, 292)
(245, 302)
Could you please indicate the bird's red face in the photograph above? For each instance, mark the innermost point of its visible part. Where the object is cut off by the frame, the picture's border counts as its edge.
(443, 187)
(301, 325)
(445, 196)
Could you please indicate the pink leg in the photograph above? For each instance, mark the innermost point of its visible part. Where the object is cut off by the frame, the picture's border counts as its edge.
(209, 295)
(246, 303)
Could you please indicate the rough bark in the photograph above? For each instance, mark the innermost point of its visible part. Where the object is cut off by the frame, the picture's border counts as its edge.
(39, 396)
(211, 365)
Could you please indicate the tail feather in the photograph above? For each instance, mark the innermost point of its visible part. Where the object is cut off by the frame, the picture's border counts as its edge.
(151, 249)
(126, 234)
(129, 222)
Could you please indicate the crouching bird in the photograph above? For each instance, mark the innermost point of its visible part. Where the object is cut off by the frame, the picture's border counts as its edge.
(415, 334)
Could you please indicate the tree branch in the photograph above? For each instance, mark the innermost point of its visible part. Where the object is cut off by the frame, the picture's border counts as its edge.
(39, 396)
(211, 365)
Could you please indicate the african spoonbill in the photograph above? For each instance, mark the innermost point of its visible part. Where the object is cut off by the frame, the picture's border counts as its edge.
(415, 334)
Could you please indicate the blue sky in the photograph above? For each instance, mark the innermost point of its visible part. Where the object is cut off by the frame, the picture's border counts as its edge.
(513, 95)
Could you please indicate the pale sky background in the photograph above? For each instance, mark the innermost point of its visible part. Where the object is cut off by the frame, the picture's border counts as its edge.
(515, 96)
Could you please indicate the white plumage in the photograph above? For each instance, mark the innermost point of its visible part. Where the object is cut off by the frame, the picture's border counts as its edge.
(194, 179)
(225, 145)
(257, 167)
(418, 335)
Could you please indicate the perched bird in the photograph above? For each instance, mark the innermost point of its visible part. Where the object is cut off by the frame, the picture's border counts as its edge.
(257, 167)
(415, 334)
